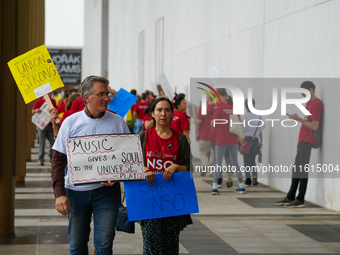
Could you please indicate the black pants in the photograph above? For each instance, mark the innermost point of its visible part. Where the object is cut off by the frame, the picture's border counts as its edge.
(299, 175)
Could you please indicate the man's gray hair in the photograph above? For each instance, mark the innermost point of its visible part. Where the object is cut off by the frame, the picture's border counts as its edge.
(87, 85)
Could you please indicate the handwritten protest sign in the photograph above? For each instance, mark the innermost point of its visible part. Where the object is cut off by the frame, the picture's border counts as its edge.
(104, 157)
(35, 74)
(174, 197)
(122, 102)
(167, 89)
(41, 119)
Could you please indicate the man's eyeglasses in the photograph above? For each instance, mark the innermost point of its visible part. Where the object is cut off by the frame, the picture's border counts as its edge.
(102, 94)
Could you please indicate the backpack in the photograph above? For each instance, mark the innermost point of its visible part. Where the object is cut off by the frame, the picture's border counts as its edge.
(318, 137)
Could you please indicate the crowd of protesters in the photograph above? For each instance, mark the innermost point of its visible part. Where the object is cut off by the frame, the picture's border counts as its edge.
(160, 119)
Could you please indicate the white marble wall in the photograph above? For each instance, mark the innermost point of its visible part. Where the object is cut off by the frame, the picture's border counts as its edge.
(91, 57)
(240, 38)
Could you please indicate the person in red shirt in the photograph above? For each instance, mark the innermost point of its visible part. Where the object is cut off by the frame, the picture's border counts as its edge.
(310, 124)
(147, 119)
(68, 106)
(47, 133)
(165, 151)
(138, 111)
(131, 122)
(179, 121)
(77, 106)
(226, 144)
(212, 137)
(203, 127)
(62, 104)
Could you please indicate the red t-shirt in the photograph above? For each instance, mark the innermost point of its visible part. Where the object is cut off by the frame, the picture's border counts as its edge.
(205, 125)
(223, 136)
(145, 118)
(211, 108)
(161, 153)
(40, 102)
(188, 119)
(179, 122)
(133, 107)
(77, 105)
(139, 108)
(315, 107)
(61, 107)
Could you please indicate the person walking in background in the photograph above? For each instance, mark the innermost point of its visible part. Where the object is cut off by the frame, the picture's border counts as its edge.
(62, 104)
(138, 112)
(68, 106)
(306, 140)
(252, 131)
(147, 119)
(171, 150)
(203, 126)
(212, 138)
(130, 118)
(179, 121)
(226, 143)
(46, 133)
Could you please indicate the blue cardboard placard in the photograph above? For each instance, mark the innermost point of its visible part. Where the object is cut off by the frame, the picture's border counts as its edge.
(174, 197)
(122, 102)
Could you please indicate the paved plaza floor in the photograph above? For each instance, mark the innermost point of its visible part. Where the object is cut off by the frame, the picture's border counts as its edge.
(228, 223)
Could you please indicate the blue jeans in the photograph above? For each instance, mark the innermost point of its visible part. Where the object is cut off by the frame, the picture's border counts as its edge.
(230, 153)
(249, 160)
(138, 127)
(103, 203)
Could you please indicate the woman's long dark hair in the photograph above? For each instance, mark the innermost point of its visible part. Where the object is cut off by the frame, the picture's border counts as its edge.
(156, 102)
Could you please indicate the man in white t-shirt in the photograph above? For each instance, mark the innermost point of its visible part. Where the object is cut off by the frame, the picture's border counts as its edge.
(80, 202)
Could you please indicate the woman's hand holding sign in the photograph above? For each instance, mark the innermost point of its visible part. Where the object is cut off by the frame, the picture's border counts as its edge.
(169, 171)
(149, 175)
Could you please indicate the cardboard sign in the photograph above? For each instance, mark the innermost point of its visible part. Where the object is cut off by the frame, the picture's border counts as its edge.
(174, 197)
(167, 89)
(154, 88)
(41, 119)
(35, 74)
(104, 157)
(122, 102)
(160, 90)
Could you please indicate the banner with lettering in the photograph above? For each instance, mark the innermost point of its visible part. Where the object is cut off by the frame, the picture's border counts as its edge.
(174, 197)
(104, 157)
(35, 74)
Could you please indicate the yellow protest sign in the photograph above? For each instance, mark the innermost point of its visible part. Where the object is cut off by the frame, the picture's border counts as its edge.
(35, 74)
